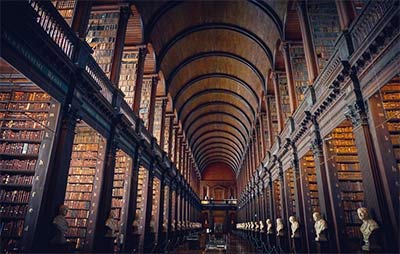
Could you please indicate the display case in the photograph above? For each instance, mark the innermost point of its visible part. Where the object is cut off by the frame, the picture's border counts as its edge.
(101, 36)
(83, 185)
(299, 70)
(140, 216)
(344, 164)
(145, 101)
(325, 29)
(127, 76)
(28, 119)
(121, 187)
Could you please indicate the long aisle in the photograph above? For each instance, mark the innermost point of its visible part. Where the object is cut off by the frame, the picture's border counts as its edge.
(236, 245)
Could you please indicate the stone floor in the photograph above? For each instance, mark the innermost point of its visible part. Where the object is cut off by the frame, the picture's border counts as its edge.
(236, 245)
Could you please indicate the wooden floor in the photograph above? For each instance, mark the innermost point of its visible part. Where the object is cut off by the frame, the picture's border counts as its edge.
(236, 245)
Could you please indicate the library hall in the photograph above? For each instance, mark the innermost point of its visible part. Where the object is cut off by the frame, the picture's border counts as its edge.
(199, 126)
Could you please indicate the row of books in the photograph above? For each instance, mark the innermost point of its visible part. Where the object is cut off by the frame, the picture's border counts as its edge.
(15, 164)
(19, 148)
(12, 228)
(30, 96)
(16, 179)
(28, 106)
(15, 211)
(14, 196)
(25, 135)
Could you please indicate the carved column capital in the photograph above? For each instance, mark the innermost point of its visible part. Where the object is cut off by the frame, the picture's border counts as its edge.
(356, 114)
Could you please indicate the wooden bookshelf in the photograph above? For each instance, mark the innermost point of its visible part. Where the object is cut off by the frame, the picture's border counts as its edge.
(141, 199)
(158, 115)
(167, 126)
(264, 118)
(274, 118)
(299, 69)
(127, 76)
(173, 210)
(155, 209)
(121, 184)
(84, 179)
(28, 118)
(145, 101)
(345, 163)
(291, 192)
(66, 8)
(173, 139)
(325, 29)
(101, 35)
(276, 188)
(284, 93)
(309, 183)
(267, 204)
(390, 96)
(166, 208)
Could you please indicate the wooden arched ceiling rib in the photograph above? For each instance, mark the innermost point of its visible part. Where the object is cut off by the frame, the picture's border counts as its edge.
(208, 95)
(217, 153)
(219, 132)
(217, 145)
(214, 26)
(212, 40)
(217, 138)
(217, 85)
(217, 126)
(218, 160)
(205, 145)
(172, 4)
(171, 76)
(214, 75)
(219, 105)
(213, 151)
(204, 127)
(208, 114)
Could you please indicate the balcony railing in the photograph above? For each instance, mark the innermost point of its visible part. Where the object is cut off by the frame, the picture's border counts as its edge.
(55, 26)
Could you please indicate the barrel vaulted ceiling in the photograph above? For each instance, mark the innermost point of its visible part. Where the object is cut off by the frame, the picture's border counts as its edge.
(215, 56)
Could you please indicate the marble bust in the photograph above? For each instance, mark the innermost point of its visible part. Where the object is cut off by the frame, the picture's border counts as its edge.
(269, 226)
(261, 226)
(294, 226)
(279, 227)
(320, 227)
(367, 227)
(173, 225)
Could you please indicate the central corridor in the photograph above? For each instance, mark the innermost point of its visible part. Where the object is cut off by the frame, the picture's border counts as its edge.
(235, 245)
